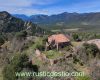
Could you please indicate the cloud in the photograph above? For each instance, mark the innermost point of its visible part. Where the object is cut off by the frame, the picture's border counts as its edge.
(24, 6)
(15, 3)
(30, 11)
(81, 7)
(24, 3)
(30, 7)
(27, 11)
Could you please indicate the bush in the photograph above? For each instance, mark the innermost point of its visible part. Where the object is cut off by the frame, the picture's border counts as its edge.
(21, 34)
(17, 64)
(53, 54)
(75, 60)
(91, 49)
(39, 44)
(1, 40)
(76, 37)
(83, 78)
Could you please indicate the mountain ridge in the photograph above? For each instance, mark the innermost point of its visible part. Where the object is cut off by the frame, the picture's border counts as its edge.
(9, 23)
(66, 19)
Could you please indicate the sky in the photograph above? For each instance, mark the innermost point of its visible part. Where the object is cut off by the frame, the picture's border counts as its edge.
(49, 7)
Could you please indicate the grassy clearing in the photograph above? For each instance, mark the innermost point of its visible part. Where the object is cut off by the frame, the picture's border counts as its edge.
(53, 54)
(37, 61)
(66, 30)
(76, 43)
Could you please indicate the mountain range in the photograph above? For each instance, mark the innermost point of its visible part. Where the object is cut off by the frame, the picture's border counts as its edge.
(65, 20)
(17, 22)
(9, 23)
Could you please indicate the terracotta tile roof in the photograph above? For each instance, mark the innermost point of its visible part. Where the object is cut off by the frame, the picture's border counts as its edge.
(58, 38)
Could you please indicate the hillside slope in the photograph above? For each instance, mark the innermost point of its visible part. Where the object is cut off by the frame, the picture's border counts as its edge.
(9, 24)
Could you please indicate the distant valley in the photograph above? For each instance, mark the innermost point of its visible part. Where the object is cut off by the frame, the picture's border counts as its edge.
(65, 20)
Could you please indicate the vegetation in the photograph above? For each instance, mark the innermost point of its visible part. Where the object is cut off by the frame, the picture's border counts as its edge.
(1, 40)
(53, 54)
(17, 64)
(91, 49)
(75, 37)
(21, 34)
(39, 44)
(85, 35)
(83, 78)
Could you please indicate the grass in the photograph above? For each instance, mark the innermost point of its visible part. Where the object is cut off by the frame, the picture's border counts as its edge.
(38, 43)
(66, 30)
(83, 78)
(53, 54)
(84, 68)
(37, 61)
(1, 76)
(76, 43)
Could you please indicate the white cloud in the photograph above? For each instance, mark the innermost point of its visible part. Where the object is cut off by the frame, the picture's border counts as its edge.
(27, 11)
(30, 11)
(24, 3)
(24, 6)
(15, 3)
(28, 6)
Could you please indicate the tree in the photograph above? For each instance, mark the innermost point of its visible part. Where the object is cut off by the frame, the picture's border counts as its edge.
(17, 64)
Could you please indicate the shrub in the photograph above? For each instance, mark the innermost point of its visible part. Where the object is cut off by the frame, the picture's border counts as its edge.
(75, 60)
(17, 64)
(75, 37)
(1, 41)
(21, 34)
(83, 78)
(53, 54)
(39, 44)
(91, 49)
